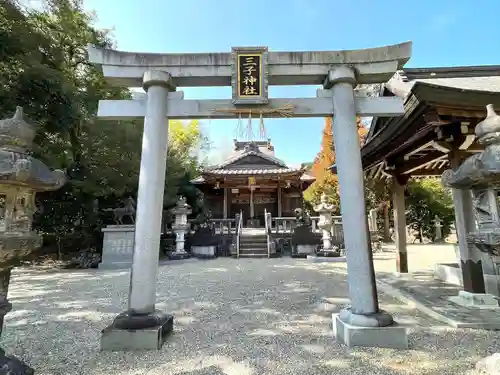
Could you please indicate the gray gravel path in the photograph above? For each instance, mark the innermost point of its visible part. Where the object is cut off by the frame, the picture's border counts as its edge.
(232, 317)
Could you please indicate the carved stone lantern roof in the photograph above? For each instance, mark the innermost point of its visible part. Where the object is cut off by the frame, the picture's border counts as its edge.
(181, 207)
(324, 206)
(15, 133)
(481, 174)
(483, 169)
(17, 167)
(488, 130)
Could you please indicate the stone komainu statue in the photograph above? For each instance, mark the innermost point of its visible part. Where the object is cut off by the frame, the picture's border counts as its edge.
(119, 213)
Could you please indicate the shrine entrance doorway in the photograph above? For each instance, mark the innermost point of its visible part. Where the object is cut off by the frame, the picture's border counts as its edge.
(250, 71)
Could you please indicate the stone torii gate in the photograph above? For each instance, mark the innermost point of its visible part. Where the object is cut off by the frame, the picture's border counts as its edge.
(250, 70)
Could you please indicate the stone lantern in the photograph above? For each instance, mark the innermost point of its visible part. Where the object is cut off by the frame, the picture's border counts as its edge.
(325, 210)
(180, 227)
(438, 229)
(21, 177)
(480, 173)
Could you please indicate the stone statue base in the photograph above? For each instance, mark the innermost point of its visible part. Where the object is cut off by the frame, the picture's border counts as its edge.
(302, 251)
(178, 255)
(204, 251)
(118, 246)
(9, 365)
(326, 259)
(12, 366)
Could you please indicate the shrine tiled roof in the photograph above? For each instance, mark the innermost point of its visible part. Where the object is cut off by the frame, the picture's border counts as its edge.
(258, 153)
(251, 171)
(252, 162)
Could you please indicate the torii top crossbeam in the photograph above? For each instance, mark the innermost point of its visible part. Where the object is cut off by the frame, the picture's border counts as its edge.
(374, 65)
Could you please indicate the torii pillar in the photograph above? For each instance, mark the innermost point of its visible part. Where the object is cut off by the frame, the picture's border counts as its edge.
(363, 323)
(141, 326)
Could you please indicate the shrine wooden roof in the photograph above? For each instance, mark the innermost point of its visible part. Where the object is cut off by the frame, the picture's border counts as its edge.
(442, 107)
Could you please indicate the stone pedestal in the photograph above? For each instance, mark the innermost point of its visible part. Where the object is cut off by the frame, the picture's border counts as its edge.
(149, 332)
(479, 300)
(319, 259)
(204, 251)
(179, 252)
(392, 336)
(118, 246)
(304, 250)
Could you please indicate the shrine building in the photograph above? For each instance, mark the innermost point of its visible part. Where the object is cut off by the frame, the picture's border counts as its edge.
(251, 181)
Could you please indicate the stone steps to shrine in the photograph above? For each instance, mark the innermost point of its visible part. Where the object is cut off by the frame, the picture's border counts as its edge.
(254, 246)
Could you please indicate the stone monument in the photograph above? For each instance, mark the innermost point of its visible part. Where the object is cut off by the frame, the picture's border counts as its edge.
(21, 176)
(480, 173)
(372, 220)
(180, 227)
(118, 240)
(438, 227)
(304, 241)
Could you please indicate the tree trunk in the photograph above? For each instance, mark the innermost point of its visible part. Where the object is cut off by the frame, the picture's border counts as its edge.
(387, 231)
(59, 252)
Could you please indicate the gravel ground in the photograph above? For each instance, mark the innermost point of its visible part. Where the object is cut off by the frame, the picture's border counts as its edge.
(233, 317)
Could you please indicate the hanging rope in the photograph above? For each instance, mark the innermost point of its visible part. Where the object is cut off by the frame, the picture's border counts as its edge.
(249, 128)
(262, 127)
(239, 132)
(285, 111)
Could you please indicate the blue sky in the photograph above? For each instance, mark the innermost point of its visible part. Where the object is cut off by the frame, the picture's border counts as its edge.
(444, 33)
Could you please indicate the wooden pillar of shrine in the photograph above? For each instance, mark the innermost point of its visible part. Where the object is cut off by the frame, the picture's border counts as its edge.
(224, 208)
(398, 198)
(280, 210)
(252, 208)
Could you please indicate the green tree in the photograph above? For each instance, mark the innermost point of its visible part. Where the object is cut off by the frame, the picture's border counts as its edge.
(44, 68)
(425, 199)
(186, 139)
